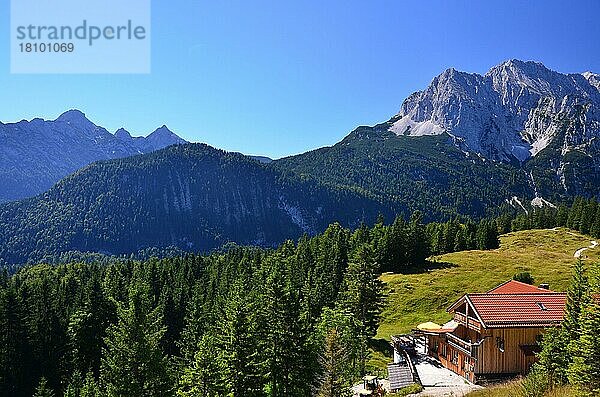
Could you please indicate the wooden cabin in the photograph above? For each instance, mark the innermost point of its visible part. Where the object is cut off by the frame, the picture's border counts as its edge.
(495, 334)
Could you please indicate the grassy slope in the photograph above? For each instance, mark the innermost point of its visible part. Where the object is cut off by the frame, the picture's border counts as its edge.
(416, 298)
(514, 389)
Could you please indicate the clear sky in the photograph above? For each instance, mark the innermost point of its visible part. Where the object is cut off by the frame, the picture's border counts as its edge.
(282, 77)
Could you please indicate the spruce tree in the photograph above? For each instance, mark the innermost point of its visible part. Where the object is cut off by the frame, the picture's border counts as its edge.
(240, 343)
(43, 390)
(335, 380)
(362, 296)
(87, 329)
(559, 346)
(418, 243)
(15, 350)
(578, 296)
(75, 384)
(554, 357)
(90, 387)
(584, 370)
(133, 363)
(203, 377)
(287, 354)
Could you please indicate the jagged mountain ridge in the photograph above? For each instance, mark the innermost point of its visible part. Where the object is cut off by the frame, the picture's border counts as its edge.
(38, 153)
(471, 143)
(510, 114)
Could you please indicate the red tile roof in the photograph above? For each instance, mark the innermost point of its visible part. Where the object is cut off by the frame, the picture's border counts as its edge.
(517, 287)
(516, 304)
(518, 309)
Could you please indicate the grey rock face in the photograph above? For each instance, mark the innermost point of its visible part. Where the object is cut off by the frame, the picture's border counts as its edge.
(511, 113)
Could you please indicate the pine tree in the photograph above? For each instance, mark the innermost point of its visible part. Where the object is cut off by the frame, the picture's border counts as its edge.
(90, 387)
(336, 378)
(362, 296)
(133, 363)
(43, 390)
(584, 371)
(239, 341)
(203, 376)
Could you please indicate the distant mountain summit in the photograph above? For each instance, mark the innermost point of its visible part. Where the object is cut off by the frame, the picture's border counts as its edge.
(36, 154)
(160, 138)
(510, 114)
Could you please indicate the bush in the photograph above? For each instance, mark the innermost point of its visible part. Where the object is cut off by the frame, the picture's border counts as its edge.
(536, 383)
(405, 391)
(524, 277)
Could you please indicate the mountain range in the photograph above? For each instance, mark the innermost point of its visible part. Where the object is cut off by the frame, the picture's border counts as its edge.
(519, 136)
(521, 129)
(36, 154)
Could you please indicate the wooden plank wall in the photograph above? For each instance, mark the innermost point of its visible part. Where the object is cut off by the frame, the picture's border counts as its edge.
(491, 360)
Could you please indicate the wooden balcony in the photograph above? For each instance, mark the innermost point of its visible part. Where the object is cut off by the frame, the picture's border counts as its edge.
(462, 345)
(468, 322)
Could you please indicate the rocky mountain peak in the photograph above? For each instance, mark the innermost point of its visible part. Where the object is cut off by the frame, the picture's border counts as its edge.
(73, 116)
(45, 151)
(592, 78)
(123, 134)
(162, 131)
(509, 114)
(165, 137)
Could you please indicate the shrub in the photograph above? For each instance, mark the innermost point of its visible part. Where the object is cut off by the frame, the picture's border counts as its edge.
(536, 383)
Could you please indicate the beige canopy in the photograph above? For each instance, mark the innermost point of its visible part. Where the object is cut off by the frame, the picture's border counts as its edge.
(429, 326)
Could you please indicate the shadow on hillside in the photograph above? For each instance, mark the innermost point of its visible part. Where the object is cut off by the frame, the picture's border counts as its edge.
(382, 346)
(428, 266)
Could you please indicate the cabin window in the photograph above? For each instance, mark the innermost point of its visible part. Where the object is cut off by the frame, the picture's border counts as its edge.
(454, 357)
(444, 350)
(467, 365)
(500, 344)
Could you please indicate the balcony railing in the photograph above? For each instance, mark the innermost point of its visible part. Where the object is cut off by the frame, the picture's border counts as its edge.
(472, 323)
(463, 345)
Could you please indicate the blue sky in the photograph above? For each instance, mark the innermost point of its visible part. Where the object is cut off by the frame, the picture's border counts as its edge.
(283, 77)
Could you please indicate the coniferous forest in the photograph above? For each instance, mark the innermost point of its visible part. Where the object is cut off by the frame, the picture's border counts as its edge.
(242, 321)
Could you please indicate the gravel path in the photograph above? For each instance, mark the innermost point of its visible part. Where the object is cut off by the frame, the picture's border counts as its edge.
(580, 250)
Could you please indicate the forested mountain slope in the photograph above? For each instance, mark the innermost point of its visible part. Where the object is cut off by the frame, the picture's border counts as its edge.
(426, 173)
(190, 196)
